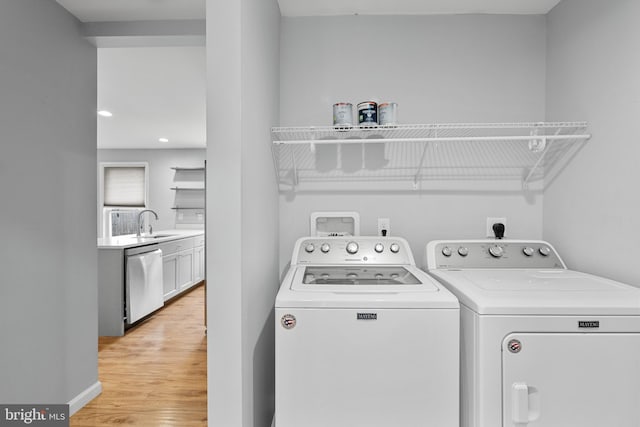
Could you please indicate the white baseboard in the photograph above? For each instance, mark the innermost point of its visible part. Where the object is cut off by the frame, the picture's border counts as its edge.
(85, 397)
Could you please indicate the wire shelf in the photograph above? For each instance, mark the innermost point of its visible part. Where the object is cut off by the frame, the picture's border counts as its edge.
(526, 152)
(188, 188)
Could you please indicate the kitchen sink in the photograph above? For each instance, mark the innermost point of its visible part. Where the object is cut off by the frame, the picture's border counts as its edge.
(157, 236)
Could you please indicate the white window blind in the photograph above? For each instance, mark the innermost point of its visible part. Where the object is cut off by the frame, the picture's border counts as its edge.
(124, 186)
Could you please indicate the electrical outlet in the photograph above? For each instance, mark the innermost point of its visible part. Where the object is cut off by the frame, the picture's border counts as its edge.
(494, 220)
(384, 224)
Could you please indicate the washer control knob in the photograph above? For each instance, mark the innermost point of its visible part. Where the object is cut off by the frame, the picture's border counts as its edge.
(379, 247)
(446, 251)
(496, 251)
(395, 248)
(325, 248)
(544, 251)
(528, 251)
(352, 247)
(463, 251)
(310, 248)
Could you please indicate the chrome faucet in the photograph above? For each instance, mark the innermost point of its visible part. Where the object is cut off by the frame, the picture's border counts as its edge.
(138, 226)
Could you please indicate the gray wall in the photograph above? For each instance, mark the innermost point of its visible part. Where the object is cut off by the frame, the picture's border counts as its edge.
(242, 209)
(161, 177)
(48, 291)
(592, 211)
(439, 69)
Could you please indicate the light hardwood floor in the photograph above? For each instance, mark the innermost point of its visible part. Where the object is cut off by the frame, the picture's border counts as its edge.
(156, 375)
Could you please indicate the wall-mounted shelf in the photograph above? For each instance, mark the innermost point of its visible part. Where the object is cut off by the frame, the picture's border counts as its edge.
(189, 196)
(188, 169)
(522, 152)
(187, 188)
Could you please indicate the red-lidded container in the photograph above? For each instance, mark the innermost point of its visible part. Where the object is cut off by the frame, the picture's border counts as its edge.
(388, 114)
(343, 115)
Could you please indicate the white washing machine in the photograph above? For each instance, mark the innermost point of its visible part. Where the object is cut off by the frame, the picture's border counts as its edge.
(364, 338)
(541, 345)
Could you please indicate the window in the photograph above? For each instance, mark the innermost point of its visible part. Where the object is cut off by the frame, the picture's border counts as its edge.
(124, 186)
(123, 192)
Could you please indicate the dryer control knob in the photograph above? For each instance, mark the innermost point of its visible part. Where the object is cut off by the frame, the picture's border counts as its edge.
(352, 247)
(544, 251)
(446, 251)
(310, 247)
(496, 251)
(379, 247)
(462, 251)
(325, 248)
(528, 251)
(395, 248)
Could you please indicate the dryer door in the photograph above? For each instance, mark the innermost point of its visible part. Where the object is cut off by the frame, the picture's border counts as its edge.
(586, 380)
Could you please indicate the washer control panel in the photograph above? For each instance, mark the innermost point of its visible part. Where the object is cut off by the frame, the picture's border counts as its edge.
(458, 254)
(353, 249)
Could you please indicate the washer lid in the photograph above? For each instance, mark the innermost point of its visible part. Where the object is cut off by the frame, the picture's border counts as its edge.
(356, 276)
(362, 286)
(560, 292)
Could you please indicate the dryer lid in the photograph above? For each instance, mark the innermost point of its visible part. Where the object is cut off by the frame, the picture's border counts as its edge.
(541, 281)
(559, 292)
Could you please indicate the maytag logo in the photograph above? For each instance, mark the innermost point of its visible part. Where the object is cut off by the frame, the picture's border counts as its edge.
(367, 316)
(589, 324)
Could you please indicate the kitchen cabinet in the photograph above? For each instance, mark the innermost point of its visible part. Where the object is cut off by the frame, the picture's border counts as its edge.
(182, 268)
(185, 270)
(314, 157)
(170, 275)
(178, 259)
(198, 259)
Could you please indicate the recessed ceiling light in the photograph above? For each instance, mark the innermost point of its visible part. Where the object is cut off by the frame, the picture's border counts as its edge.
(105, 113)
(163, 139)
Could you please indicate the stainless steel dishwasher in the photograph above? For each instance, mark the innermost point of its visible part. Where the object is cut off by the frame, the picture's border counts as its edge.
(143, 282)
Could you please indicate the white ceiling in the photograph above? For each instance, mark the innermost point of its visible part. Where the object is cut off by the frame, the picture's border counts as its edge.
(153, 92)
(160, 92)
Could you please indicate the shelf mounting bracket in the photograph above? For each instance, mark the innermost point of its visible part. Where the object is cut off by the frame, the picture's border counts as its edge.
(425, 146)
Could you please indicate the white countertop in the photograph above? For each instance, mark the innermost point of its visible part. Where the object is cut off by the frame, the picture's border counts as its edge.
(131, 241)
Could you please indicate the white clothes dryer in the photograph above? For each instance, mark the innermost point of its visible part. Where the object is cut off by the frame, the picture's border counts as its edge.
(541, 345)
(364, 338)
